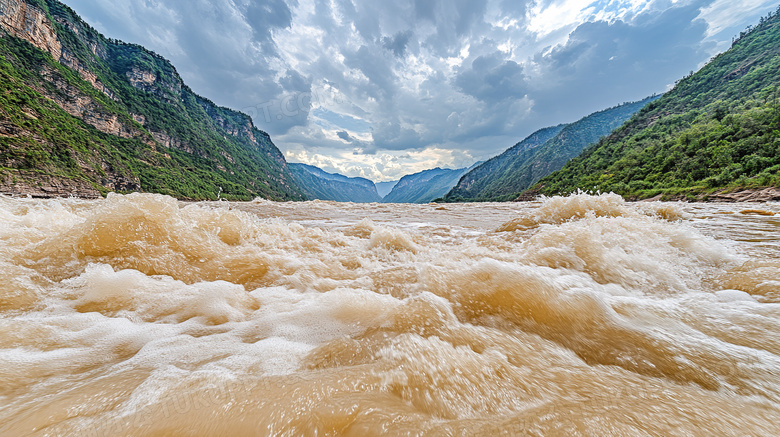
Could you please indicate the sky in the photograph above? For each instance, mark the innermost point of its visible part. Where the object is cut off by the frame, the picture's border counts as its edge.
(381, 89)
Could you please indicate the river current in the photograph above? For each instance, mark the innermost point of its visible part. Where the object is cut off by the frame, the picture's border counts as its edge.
(140, 315)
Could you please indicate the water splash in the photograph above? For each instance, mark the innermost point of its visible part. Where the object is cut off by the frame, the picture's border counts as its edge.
(579, 315)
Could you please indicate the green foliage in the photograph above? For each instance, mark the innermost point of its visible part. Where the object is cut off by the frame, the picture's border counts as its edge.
(219, 152)
(504, 177)
(40, 4)
(490, 180)
(718, 128)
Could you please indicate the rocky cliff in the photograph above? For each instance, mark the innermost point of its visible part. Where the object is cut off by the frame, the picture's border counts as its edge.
(31, 23)
(85, 114)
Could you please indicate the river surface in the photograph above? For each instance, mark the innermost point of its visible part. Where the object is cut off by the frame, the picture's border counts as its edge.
(580, 316)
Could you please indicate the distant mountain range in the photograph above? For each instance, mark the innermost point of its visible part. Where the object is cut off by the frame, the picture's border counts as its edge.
(425, 186)
(421, 187)
(318, 184)
(506, 176)
(81, 114)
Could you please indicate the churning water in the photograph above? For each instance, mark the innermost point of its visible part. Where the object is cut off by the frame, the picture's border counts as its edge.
(139, 315)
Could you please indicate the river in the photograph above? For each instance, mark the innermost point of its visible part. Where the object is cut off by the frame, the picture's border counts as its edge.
(140, 315)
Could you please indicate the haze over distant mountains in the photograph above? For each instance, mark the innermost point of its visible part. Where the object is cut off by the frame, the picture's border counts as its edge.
(499, 179)
(425, 186)
(82, 114)
(384, 188)
(321, 185)
(421, 187)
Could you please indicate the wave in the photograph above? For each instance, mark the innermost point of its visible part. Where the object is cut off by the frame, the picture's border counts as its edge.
(142, 315)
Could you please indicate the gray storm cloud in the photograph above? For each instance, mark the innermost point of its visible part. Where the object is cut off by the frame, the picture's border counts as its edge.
(435, 82)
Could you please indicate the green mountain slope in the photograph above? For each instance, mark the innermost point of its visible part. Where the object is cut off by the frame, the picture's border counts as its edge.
(547, 150)
(425, 186)
(318, 184)
(494, 175)
(717, 129)
(83, 114)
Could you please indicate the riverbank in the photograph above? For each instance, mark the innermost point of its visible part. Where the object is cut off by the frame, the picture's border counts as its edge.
(24, 184)
(728, 195)
(29, 183)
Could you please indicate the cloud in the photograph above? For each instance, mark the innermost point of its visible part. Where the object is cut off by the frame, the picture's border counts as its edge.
(491, 78)
(344, 135)
(380, 89)
(375, 79)
(397, 43)
(618, 61)
(722, 15)
(264, 16)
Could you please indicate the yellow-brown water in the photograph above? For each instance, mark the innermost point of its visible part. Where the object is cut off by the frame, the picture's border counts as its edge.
(138, 315)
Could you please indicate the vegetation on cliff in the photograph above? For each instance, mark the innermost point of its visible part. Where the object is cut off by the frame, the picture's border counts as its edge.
(717, 129)
(507, 175)
(492, 178)
(116, 117)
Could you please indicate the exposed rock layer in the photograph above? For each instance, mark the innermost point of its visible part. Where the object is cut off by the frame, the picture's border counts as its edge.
(224, 142)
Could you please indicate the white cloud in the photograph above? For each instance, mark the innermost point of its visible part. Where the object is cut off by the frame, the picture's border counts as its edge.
(382, 167)
(381, 89)
(723, 14)
(547, 18)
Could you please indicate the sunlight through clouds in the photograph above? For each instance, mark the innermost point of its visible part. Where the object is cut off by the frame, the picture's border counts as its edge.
(722, 14)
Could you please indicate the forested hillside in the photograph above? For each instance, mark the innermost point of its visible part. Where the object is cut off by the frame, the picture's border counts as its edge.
(507, 175)
(82, 114)
(482, 182)
(717, 129)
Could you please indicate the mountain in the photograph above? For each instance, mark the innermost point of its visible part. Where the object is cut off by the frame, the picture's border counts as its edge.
(716, 130)
(318, 184)
(384, 188)
(83, 114)
(425, 186)
(543, 152)
(487, 179)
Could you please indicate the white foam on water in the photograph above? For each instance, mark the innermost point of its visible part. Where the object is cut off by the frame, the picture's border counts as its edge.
(351, 322)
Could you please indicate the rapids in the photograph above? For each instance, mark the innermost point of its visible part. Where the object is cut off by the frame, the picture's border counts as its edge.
(139, 315)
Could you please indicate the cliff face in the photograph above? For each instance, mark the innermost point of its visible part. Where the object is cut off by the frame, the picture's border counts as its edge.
(151, 132)
(30, 23)
(84, 107)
